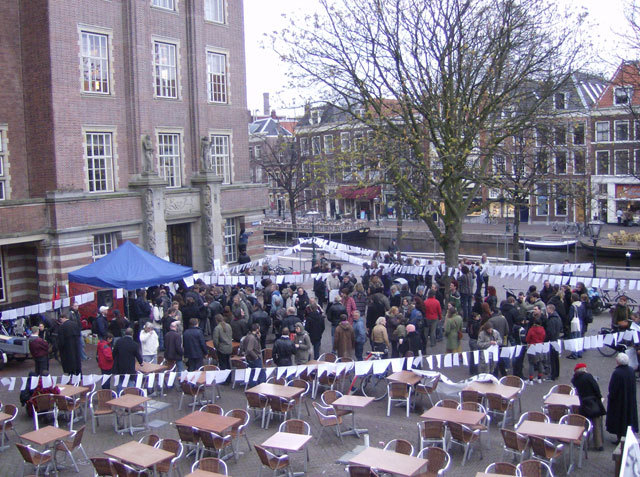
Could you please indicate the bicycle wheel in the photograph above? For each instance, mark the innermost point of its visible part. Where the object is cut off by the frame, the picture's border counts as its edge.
(607, 351)
(375, 386)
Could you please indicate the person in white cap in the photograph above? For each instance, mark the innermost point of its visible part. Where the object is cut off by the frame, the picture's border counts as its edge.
(102, 325)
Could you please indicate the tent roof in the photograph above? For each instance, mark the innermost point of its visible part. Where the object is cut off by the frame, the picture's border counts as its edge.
(129, 267)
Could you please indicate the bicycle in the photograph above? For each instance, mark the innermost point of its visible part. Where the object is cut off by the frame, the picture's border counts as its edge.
(609, 302)
(371, 385)
(609, 350)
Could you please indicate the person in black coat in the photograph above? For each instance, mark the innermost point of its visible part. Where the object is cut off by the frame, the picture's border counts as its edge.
(334, 311)
(125, 354)
(590, 401)
(283, 349)
(314, 325)
(263, 320)
(68, 339)
(173, 346)
(412, 342)
(195, 348)
(622, 409)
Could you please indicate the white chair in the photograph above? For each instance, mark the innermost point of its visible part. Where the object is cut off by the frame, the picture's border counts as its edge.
(398, 392)
(69, 446)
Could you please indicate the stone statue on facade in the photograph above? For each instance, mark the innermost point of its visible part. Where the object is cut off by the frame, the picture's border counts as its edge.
(205, 154)
(147, 154)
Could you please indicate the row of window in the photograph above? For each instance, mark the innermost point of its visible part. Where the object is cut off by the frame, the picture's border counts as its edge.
(561, 160)
(99, 155)
(96, 68)
(214, 10)
(326, 143)
(621, 131)
(624, 163)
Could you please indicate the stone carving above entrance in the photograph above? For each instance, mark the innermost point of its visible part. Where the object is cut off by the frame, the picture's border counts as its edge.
(182, 205)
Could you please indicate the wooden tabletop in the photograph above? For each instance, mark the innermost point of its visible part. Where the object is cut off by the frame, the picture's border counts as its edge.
(147, 368)
(277, 390)
(507, 392)
(287, 441)
(563, 399)
(128, 401)
(548, 430)
(71, 391)
(389, 461)
(406, 377)
(460, 416)
(208, 421)
(4, 416)
(353, 401)
(234, 344)
(204, 473)
(138, 454)
(45, 435)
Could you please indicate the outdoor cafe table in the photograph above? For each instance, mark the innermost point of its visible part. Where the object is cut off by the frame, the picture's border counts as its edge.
(289, 442)
(147, 368)
(276, 390)
(406, 377)
(389, 461)
(140, 455)
(46, 436)
(72, 391)
(558, 432)
(563, 399)
(353, 403)
(234, 345)
(208, 421)
(3, 417)
(507, 392)
(129, 402)
(205, 473)
(459, 416)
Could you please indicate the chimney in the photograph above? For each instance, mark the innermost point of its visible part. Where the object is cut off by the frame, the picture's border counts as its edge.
(266, 107)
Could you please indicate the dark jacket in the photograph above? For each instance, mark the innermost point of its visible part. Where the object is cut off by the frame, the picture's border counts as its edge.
(283, 349)
(290, 322)
(102, 326)
(589, 393)
(262, 319)
(334, 312)
(239, 328)
(411, 342)
(68, 344)
(554, 327)
(38, 347)
(194, 344)
(315, 325)
(622, 409)
(377, 307)
(125, 354)
(173, 346)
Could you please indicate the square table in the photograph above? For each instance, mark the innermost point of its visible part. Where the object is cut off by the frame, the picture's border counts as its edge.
(459, 416)
(209, 422)
(507, 392)
(72, 391)
(46, 436)
(563, 399)
(277, 390)
(128, 402)
(389, 461)
(289, 442)
(406, 377)
(204, 473)
(558, 432)
(353, 403)
(147, 368)
(139, 455)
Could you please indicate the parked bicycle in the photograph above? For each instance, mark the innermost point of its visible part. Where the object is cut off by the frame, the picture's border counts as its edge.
(372, 385)
(611, 349)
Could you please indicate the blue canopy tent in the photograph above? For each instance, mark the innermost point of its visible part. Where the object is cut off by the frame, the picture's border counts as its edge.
(129, 267)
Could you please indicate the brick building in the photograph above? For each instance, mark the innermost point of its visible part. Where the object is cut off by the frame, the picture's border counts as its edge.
(121, 120)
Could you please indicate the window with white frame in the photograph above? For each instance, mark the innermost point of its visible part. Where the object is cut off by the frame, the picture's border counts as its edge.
(560, 100)
(637, 130)
(2, 288)
(257, 152)
(315, 145)
(602, 163)
(560, 202)
(560, 135)
(579, 164)
(542, 161)
(542, 137)
(214, 11)
(358, 141)
(316, 116)
(231, 240)
(578, 134)
(602, 131)
(621, 130)
(622, 163)
(103, 244)
(216, 77)
(622, 95)
(328, 144)
(561, 162)
(304, 146)
(542, 200)
(95, 62)
(164, 4)
(3, 158)
(494, 194)
(345, 141)
(499, 164)
(221, 157)
(169, 158)
(165, 67)
(99, 157)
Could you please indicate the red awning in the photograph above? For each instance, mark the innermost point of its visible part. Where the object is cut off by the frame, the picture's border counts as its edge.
(365, 193)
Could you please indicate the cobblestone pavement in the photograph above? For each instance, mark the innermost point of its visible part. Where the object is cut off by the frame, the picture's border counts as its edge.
(324, 454)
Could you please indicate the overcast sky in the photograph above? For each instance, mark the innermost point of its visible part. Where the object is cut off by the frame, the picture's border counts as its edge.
(265, 73)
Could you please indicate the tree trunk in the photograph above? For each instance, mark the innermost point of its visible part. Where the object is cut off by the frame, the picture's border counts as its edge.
(294, 224)
(399, 214)
(516, 233)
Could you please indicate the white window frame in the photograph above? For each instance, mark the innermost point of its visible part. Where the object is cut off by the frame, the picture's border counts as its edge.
(358, 141)
(605, 130)
(108, 156)
(169, 5)
(622, 95)
(555, 162)
(615, 129)
(304, 146)
(328, 143)
(597, 168)
(555, 135)
(165, 72)
(231, 240)
(316, 148)
(584, 162)
(499, 164)
(316, 116)
(221, 156)
(558, 199)
(494, 193)
(565, 97)
(539, 211)
(95, 65)
(582, 126)
(345, 141)
(215, 11)
(615, 163)
(217, 76)
(170, 157)
(103, 244)
(540, 137)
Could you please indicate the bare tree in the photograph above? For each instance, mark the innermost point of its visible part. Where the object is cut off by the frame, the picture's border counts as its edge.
(443, 78)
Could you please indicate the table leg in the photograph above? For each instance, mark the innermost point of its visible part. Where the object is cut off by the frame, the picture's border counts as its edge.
(354, 429)
(570, 458)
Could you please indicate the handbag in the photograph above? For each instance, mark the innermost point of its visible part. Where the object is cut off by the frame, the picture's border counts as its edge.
(592, 407)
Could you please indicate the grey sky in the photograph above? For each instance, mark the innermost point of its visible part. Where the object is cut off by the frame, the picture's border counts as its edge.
(265, 73)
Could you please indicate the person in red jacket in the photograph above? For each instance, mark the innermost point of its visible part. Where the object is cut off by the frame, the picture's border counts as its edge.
(535, 335)
(433, 314)
(39, 349)
(105, 358)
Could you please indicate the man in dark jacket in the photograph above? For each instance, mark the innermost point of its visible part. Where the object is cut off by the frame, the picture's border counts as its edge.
(102, 324)
(314, 325)
(262, 319)
(290, 319)
(39, 349)
(125, 354)
(195, 348)
(173, 346)
(622, 409)
(68, 339)
(511, 314)
(283, 349)
(552, 330)
(591, 406)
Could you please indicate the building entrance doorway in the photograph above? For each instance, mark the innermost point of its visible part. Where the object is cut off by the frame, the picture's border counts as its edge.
(179, 238)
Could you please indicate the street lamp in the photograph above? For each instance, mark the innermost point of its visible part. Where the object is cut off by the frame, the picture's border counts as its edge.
(313, 214)
(595, 227)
